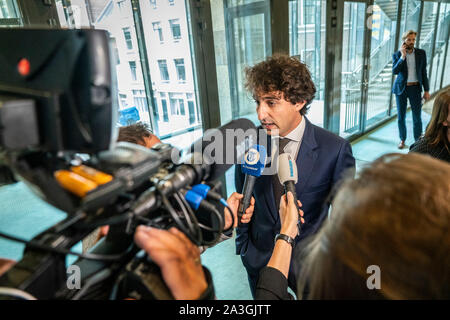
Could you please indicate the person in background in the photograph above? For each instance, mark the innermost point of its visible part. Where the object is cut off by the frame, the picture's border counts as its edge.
(138, 133)
(387, 238)
(410, 66)
(436, 141)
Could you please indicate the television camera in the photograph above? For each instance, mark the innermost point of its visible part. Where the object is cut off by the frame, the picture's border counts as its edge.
(57, 133)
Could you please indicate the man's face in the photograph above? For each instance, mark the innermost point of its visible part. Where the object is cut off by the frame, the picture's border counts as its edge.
(410, 41)
(275, 113)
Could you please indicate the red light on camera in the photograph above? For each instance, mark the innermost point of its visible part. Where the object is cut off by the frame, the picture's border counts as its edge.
(23, 67)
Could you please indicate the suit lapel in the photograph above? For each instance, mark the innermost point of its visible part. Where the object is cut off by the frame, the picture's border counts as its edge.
(306, 157)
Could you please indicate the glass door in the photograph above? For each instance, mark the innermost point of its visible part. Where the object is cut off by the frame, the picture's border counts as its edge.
(353, 68)
(382, 27)
(368, 42)
(248, 42)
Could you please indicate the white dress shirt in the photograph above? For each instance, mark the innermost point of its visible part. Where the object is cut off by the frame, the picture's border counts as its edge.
(411, 64)
(296, 137)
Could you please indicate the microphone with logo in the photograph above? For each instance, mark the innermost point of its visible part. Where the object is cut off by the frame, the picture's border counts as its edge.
(252, 167)
(287, 173)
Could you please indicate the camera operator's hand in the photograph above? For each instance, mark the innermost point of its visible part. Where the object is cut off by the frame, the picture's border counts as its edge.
(178, 258)
(5, 265)
(233, 202)
(289, 215)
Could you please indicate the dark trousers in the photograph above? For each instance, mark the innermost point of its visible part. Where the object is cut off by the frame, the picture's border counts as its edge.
(412, 93)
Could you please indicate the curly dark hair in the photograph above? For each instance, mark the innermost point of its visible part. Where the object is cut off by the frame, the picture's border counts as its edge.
(285, 74)
(135, 133)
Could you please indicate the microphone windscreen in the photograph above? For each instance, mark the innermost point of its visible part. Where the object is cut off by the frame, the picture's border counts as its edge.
(223, 147)
(287, 169)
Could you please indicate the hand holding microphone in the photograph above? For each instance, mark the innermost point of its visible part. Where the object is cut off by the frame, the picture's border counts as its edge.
(253, 166)
(287, 173)
(289, 215)
(233, 202)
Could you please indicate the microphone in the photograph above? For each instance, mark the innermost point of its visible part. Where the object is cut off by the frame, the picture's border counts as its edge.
(252, 167)
(287, 173)
(221, 148)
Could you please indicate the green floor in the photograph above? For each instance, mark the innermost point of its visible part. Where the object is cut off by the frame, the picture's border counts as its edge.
(24, 215)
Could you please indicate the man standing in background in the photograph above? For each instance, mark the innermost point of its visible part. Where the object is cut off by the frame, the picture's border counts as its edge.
(410, 66)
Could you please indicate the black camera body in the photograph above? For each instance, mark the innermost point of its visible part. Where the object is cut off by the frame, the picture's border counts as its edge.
(58, 101)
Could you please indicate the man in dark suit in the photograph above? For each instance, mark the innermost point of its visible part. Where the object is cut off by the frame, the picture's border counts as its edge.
(283, 89)
(410, 66)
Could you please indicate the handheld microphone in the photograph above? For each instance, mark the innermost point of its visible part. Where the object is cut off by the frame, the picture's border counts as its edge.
(221, 148)
(287, 173)
(252, 167)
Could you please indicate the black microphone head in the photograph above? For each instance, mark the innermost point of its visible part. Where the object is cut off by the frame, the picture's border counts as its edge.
(223, 147)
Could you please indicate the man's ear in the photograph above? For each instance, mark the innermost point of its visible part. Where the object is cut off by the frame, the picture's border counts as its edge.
(299, 106)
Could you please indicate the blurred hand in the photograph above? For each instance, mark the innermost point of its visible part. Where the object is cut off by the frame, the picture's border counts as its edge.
(178, 259)
(233, 202)
(289, 215)
(426, 95)
(5, 265)
(103, 232)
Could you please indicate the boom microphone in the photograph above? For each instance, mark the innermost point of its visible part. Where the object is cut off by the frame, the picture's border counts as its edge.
(252, 167)
(287, 173)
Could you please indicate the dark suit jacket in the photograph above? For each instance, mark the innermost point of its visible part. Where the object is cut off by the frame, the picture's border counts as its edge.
(321, 161)
(400, 68)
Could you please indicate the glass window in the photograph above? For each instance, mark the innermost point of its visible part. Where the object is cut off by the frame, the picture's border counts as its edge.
(175, 27)
(169, 61)
(352, 59)
(127, 36)
(241, 39)
(171, 2)
(384, 23)
(121, 4)
(153, 4)
(133, 70)
(181, 73)
(164, 107)
(427, 30)
(163, 70)
(410, 17)
(116, 50)
(9, 13)
(309, 11)
(440, 46)
(181, 105)
(157, 28)
(173, 107)
(123, 101)
(308, 42)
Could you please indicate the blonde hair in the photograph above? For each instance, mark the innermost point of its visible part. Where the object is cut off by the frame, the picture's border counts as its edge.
(395, 215)
(406, 34)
